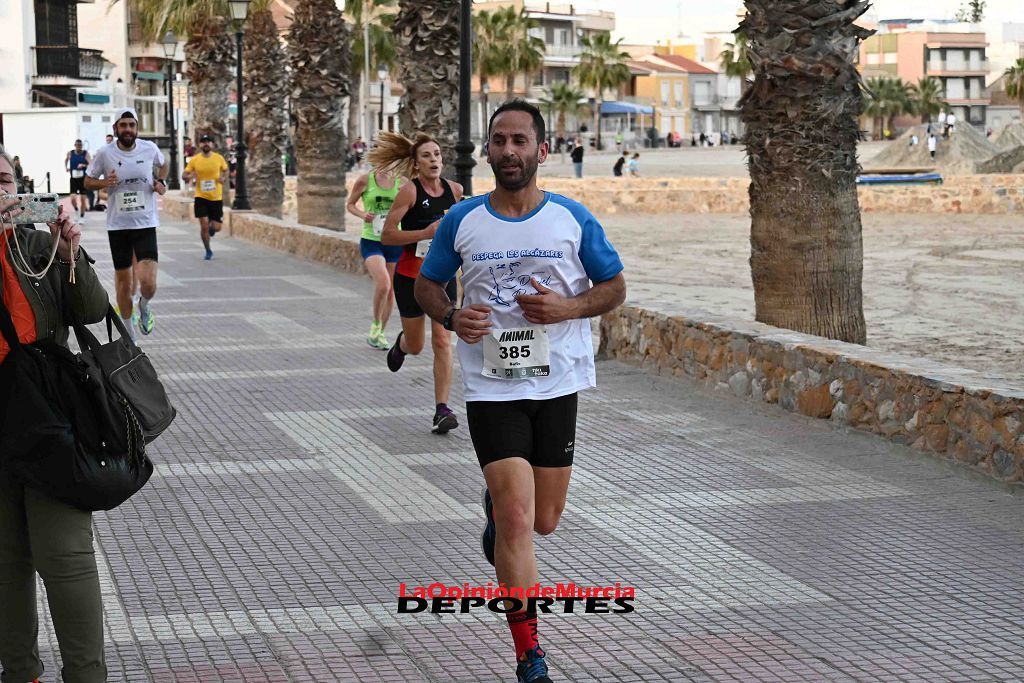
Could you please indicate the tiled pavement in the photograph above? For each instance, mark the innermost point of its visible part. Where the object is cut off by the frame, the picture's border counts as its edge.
(300, 484)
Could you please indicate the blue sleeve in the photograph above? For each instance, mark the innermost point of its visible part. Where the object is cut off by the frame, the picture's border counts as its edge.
(597, 254)
(442, 262)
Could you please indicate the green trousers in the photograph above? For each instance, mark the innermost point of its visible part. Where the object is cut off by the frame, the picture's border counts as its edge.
(40, 534)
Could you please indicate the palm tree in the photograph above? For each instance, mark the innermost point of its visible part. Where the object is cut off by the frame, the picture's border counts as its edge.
(427, 34)
(319, 47)
(566, 100)
(266, 135)
(733, 59)
(1015, 83)
(602, 67)
(524, 52)
(926, 98)
(887, 98)
(209, 54)
(382, 47)
(489, 56)
(801, 114)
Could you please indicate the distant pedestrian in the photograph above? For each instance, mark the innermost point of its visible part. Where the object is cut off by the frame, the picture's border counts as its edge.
(703, 139)
(617, 168)
(951, 123)
(634, 165)
(933, 143)
(914, 140)
(618, 141)
(577, 157)
(359, 151)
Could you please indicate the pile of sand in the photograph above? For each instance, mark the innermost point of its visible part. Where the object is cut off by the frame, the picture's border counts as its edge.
(1012, 135)
(1010, 161)
(959, 154)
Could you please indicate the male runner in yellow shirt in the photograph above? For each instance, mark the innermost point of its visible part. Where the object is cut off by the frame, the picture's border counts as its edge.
(209, 171)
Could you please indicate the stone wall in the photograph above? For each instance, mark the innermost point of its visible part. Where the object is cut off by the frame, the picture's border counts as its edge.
(952, 413)
(985, 194)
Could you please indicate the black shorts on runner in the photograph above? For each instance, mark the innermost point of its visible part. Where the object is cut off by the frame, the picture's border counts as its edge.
(542, 432)
(406, 299)
(78, 186)
(208, 208)
(124, 243)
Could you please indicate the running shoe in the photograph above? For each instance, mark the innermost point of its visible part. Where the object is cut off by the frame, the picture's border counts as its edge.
(209, 255)
(444, 420)
(395, 355)
(147, 320)
(490, 531)
(380, 341)
(533, 668)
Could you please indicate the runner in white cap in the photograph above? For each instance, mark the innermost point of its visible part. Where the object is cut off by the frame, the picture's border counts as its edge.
(127, 171)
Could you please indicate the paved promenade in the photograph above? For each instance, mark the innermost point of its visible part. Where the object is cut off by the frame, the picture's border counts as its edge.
(300, 485)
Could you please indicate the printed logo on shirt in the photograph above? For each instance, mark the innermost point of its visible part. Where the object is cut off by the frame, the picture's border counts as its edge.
(509, 282)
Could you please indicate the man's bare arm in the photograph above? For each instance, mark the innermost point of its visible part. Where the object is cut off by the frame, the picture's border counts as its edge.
(432, 298)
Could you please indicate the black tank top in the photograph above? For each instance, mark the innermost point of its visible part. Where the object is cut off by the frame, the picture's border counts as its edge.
(421, 214)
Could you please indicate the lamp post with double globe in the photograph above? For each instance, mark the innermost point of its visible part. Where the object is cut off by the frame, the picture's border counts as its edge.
(239, 11)
(464, 161)
(170, 45)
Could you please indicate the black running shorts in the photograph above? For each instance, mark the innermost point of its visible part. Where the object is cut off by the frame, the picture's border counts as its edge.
(542, 432)
(406, 299)
(208, 208)
(78, 186)
(124, 243)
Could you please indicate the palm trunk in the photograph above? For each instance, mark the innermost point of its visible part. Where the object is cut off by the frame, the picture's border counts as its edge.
(428, 66)
(510, 86)
(354, 109)
(210, 54)
(266, 138)
(320, 45)
(806, 247)
(597, 124)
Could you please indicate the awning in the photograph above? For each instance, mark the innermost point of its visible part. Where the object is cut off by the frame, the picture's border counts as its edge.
(149, 75)
(93, 98)
(625, 108)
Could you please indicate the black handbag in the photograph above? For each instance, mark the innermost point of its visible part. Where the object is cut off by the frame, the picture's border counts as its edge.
(68, 425)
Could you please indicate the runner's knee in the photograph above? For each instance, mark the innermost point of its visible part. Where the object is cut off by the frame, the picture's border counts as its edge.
(440, 342)
(547, 520)
(513, 519)
(413, 347)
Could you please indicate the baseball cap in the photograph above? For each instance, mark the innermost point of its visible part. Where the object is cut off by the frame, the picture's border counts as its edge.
(125, 112)
(205, 138)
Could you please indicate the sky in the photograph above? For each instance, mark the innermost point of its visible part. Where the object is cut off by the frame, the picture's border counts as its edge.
(646, 21)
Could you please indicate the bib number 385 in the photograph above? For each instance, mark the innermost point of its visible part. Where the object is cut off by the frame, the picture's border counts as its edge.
(517, 353)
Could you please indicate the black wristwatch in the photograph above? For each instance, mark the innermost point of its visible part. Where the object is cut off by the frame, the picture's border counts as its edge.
(447, 322)
(162, 181)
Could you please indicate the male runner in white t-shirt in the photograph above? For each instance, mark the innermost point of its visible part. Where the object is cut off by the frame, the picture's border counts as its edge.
(127, 167)
(528, 261)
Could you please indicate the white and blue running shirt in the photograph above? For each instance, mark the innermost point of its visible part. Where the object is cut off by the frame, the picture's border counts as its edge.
(559, 243)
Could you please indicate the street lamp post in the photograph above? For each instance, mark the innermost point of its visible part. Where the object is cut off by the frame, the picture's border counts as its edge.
(170, 46)
(239, 11)
(382, 73)
(464, 161)
(486, 90)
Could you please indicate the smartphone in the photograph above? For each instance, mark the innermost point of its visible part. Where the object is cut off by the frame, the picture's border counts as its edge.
(33, 208)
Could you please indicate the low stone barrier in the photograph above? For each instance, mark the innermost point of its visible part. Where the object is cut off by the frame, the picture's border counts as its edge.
(982, 194)
(952, 413)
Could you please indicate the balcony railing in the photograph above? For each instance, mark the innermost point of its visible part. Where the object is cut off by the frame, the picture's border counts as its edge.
(562, 50)
(69, 62)
(958, 67)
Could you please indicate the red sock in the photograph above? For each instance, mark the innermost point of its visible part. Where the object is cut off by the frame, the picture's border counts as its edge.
(524, 631)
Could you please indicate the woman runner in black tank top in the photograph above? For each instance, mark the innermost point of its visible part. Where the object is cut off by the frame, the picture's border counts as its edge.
(419, 211)
(425, 210)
